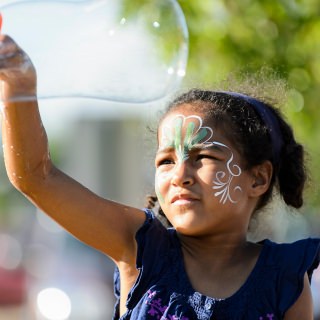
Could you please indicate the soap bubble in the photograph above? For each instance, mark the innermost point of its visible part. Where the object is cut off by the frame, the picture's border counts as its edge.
(131, 51)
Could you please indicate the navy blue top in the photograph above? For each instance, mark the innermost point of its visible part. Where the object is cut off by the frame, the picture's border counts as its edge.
(163, 290)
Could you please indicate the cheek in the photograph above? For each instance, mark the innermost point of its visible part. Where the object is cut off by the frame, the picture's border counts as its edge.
(226, 185)
(162, 180)
(163, 177)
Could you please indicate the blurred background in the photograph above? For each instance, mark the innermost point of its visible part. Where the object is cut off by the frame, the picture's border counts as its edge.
(47, 274)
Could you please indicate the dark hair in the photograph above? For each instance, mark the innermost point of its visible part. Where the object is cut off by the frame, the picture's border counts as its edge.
(245, 128)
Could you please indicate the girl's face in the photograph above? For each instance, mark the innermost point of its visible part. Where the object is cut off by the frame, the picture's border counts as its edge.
(199, 181)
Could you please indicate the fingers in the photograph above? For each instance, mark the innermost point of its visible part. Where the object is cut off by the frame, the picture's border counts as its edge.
(7, 46)
(11, 55)
(16, 69)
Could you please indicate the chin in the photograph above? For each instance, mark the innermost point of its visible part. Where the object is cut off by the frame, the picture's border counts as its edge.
(184, 226)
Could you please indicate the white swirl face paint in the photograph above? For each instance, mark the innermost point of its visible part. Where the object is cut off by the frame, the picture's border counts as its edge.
(223, 179)
(183, 133)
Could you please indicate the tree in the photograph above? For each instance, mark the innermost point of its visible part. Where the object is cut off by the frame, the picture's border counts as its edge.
(228, 36)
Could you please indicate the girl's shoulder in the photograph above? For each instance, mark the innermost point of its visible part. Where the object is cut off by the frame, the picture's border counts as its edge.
(300, 256)
(286, 264)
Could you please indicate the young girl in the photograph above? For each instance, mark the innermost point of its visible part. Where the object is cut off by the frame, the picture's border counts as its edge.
(220, 154)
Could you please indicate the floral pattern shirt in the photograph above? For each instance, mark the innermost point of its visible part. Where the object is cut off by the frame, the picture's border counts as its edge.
(163, 290)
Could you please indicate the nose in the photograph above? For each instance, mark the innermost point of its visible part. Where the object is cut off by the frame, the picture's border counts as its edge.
(182, 175)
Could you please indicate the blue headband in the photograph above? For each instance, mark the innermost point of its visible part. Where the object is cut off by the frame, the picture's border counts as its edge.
(270, 121)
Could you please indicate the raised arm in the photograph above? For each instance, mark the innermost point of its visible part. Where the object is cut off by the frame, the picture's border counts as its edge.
(105, 225)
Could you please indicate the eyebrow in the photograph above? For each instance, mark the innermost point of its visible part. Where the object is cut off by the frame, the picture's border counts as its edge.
(164, 150)
(214, 146)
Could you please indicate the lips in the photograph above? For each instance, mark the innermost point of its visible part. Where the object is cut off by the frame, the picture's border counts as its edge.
(183, 199)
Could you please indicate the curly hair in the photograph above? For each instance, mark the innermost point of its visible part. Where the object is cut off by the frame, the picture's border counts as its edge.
(251, 136)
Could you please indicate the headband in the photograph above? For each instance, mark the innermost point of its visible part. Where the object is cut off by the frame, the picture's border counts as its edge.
(269, 119)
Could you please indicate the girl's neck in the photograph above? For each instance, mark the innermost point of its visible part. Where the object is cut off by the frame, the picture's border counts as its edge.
(219, 267)
(222, 245)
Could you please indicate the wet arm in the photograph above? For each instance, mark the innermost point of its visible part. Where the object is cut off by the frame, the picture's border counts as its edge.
(105, 225)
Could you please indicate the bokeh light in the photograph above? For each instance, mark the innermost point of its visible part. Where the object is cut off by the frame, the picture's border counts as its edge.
(10, 252)
(54, 304)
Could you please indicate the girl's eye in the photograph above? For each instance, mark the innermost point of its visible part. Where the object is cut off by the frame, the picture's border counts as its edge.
(205, 156)
(164, 162)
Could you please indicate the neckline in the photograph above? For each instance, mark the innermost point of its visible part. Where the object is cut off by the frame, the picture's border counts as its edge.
(189, 290)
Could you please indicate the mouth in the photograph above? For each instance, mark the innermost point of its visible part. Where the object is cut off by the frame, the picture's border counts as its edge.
(183, 199)
(183, 202)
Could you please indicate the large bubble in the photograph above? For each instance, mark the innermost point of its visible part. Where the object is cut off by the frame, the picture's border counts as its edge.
(116, 50)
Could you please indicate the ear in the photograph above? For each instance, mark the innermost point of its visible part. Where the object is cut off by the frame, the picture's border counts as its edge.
(261, 178)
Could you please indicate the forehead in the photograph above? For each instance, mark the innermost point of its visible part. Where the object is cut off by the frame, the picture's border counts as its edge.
(186, 115)
(189, 126)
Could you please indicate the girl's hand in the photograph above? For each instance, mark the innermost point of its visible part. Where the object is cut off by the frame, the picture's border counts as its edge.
(17, 72)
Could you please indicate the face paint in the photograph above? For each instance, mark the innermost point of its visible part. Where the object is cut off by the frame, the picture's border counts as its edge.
(182, 134)
(223, 180)
(161, 178)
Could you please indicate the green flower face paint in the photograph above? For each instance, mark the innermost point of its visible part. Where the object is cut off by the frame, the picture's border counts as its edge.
(183, 133)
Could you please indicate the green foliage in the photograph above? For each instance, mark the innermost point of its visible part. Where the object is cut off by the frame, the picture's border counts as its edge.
(229, 36)
(156, 19)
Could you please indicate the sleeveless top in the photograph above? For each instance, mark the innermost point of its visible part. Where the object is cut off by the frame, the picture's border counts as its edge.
(163, 290)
